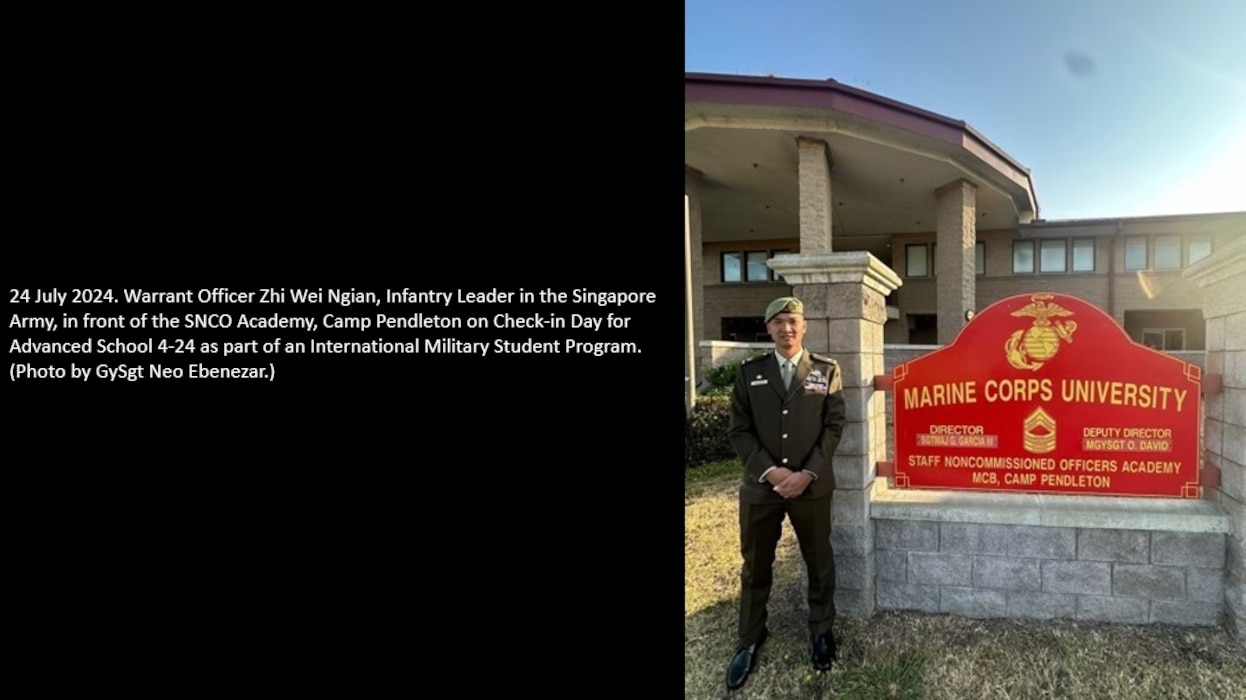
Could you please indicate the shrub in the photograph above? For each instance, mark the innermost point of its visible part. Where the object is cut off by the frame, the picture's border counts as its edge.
(724, 376)
(705, 430)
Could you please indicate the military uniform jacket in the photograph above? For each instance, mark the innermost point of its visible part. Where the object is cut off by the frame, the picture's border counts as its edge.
(797, 428)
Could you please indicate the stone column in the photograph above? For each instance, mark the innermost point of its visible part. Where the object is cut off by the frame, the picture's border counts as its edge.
(692, 189)
(955, 275)
(845, 308)
(1222, 277)
(815, 196)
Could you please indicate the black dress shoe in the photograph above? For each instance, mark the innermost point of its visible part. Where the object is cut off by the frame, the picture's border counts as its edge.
(743, 663)
(823, 651)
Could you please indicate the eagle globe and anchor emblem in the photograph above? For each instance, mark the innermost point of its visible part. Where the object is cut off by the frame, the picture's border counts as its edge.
(1031, 347)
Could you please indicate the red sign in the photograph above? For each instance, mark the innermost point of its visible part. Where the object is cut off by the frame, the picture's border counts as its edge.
(1046, 393)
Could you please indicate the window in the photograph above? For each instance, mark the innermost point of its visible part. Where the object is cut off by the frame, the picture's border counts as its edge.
(748, 266)
(923, 329)
(774, 276)
(757, 270)
(1168, 252)
(731, 268)
(1165, 251)
(1174, 339)
(915, 262)
(1022, 256)
(1083, 255)
(1164, 338)
(1200, 247)
(920, 259)
(744, 329)
(1135, 253)
(1052, 256)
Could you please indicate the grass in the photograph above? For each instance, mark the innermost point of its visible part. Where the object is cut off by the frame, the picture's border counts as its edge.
(897, 654)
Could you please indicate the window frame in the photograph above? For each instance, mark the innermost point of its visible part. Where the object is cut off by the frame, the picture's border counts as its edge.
(1170, 241)
(748, 254)
(742, 255)
(774, 276)
(1146, 253)
(722, 266)
(1064, 256)
(1163, 334)
(1016, 244)
(1094, 254)
(759, 331)
(925, 258)
(931, 255)
(1189, 248)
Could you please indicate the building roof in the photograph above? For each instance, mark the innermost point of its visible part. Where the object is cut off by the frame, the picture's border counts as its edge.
(888, 159)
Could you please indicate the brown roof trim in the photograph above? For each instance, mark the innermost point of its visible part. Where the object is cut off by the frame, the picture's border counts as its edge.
(831, 94)
(800, 92)
(1148, 219)
(830, 85)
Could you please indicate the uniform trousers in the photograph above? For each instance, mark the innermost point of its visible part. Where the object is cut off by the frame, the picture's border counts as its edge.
(761, 525)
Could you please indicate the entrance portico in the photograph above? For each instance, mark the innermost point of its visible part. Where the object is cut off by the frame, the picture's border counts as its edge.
(813, 167)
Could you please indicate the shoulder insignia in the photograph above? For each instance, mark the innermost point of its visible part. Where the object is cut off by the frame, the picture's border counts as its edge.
(822, 358)
(754, 359)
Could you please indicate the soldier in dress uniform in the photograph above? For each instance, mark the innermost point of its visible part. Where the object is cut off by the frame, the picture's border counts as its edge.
(787, 416)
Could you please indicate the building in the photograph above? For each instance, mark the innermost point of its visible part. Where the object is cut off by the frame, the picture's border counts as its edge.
(776, 166)
(780, 174)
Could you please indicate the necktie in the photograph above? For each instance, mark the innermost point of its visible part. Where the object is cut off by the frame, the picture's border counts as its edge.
(787, 371)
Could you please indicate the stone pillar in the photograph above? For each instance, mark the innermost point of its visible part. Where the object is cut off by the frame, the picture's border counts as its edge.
(1222, 277)
(955, 275)
(815, 196)
(692, 189)
(845, 308)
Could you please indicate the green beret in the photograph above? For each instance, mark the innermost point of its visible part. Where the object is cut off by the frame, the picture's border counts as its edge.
(789, 304)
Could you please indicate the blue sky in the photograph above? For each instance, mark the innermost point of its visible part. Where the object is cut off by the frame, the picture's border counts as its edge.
(1117, 107)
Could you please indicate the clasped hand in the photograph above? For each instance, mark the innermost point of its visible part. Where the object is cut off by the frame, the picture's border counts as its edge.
(787, 483)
